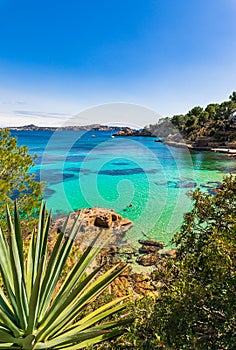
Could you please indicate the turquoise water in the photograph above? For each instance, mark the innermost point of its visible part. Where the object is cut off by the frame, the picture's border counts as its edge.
(143, 180)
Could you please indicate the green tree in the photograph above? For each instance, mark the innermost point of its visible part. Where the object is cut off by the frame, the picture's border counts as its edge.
(196, 307)
(232, 97)
(15, 180)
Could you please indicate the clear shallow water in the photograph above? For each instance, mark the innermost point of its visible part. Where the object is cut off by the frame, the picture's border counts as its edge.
(139, 178)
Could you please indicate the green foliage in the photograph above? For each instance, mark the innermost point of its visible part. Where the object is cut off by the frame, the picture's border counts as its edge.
(233, 96)
(213, 121)
(138, 335)
(196, 307)
(37, 310)
(15, 180)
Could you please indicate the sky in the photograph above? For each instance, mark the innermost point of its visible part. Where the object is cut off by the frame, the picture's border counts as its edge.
(61, 58)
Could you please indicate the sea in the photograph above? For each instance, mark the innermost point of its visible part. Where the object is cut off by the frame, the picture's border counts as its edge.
(146, 181)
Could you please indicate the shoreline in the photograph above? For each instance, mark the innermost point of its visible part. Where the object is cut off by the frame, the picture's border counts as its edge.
(219, 149)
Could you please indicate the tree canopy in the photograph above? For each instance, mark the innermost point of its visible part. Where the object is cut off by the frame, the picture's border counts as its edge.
(15, 180)
(216, 121)
(196, 307)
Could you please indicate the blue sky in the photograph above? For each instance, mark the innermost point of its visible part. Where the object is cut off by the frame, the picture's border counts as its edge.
(58, 58)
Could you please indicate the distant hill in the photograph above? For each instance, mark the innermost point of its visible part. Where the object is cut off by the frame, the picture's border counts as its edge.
(75, 127)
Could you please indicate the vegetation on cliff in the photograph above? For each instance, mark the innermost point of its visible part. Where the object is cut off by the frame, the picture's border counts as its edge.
(195, 307)
(195, 304)
(217, 121)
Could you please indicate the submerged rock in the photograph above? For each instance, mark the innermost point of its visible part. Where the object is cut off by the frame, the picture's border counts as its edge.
(149, 242)
(190, 184)
(171, 253)
(147, 249)
(148, 259)
(212, 184)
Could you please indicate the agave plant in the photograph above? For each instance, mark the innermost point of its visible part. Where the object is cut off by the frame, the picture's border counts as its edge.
(37, 314)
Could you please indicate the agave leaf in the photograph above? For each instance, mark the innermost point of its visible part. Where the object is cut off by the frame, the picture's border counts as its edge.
(18, 276)
(78, 271)
(45, 298)
(81, 338)
(98, 311)
(6, 337)
(52, 278)
(10, 324)
(93, 317)
(84, 324)
(30, 266)
(10, 295)
(69, 311)
(6, 346)
(6, 271)
(74, 278)
(18, 238)
(56, 309)
(34, 301)
(5, 258)
(5, 306)
(39, 239)
(29, 317)
(94, 339)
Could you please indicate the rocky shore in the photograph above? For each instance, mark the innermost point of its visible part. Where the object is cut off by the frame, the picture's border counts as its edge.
(94, 221)
(229, 149)
(130, 132)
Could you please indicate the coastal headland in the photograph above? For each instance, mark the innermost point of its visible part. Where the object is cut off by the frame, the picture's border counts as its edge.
(142, 259)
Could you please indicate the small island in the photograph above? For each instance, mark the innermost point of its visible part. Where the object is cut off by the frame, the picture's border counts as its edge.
(133, 132)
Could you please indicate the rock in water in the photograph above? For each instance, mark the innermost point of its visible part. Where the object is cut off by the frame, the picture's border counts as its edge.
(149, 242)
(148, 259)
(147, 249)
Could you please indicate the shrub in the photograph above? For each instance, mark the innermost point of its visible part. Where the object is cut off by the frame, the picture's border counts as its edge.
(37, 311)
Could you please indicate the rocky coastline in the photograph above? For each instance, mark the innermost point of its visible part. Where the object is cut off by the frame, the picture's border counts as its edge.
(192, 146)
(202, 144)
(149, 255)
(130, 132)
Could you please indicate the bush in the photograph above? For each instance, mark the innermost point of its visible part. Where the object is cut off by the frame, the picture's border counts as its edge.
(196, 307)
(15, 180)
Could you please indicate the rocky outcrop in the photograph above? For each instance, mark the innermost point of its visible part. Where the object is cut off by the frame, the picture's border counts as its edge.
(148, 259)
(130, 132)
(148, 249)
(148, 242)
(149, 252)
(190, 184)
(103, 220)
(93, 221)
